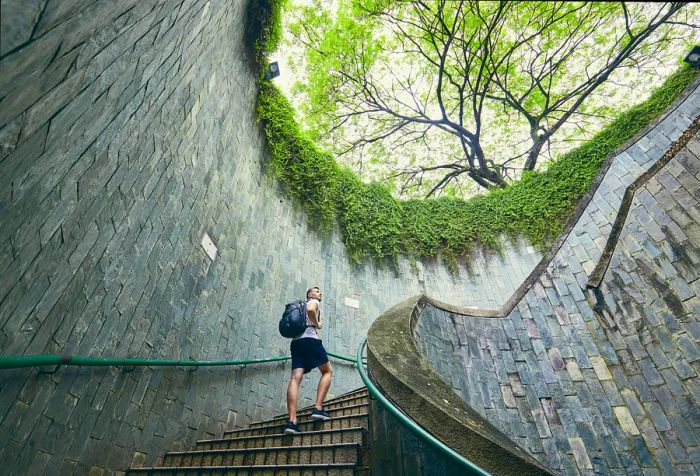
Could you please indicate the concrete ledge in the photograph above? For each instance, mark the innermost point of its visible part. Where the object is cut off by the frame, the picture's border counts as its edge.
(410, 382)
(601, 268)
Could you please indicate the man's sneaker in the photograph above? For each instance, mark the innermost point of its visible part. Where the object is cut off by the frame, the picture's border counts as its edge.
(317, 414)
(291, 429)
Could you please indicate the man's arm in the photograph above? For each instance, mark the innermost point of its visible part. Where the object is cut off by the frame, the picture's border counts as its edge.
(312, 311)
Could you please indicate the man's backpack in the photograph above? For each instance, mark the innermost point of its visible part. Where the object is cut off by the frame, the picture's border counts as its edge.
(293, 321)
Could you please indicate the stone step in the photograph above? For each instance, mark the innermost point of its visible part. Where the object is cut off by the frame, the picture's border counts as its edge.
(350, 421)
(333, 447)
(321, 437)
(358, 392)
(275, 455)
(333, 469)
(330, 404)
(306, 415)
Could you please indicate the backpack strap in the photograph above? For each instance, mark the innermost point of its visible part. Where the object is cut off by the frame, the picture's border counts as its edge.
(306, 314)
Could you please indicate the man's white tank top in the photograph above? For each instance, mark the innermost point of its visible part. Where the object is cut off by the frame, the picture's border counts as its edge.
(310, 330)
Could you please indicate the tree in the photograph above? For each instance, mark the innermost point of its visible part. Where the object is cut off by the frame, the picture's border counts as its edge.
(426, 79)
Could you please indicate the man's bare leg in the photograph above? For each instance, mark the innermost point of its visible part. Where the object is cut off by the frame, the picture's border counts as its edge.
(324, 384)
(293, 393)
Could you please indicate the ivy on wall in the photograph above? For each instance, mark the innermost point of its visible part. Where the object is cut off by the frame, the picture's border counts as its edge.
(376, 225)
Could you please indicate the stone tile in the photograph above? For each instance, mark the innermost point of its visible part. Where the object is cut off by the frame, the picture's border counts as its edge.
(580, 454)
(674, 447)
(651, 374)
(650, 435)
(689, 348)
(683, 430)
(626, 421)
(601, 369)
(658, 357)
(689, 409)
(675, 385)
(665, 399)
(633, 404)
(657, 416)
(664, 462)
(694, 454)
(508, 397)
(612, 393)
(683, 368)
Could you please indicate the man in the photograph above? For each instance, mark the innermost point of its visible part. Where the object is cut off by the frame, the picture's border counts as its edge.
(307, 354)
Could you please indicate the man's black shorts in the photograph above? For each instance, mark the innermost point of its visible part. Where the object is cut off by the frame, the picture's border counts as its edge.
(308, 353)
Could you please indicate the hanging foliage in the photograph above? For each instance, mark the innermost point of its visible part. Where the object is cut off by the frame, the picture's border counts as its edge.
(376, 225)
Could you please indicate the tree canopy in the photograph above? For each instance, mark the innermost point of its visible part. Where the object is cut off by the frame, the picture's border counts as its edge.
(445, 97)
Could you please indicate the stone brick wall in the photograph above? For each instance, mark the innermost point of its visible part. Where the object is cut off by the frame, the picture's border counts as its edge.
(127, 132)
(395, 449)
(610, 386)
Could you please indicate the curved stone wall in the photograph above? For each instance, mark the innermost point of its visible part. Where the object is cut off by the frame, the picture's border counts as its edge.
(610, 386)
(411, 383)
(127, 132)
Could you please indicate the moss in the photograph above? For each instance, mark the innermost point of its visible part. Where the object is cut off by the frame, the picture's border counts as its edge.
(376, 225)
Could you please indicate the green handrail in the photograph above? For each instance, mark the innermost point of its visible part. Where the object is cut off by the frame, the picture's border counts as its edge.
(343, 357)
(413, 426)
(25, 361)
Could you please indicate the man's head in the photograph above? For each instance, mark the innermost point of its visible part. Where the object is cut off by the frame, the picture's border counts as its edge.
(314, 293)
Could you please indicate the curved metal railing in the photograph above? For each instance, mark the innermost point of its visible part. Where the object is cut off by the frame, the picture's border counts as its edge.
(470, 467)
(27, 361)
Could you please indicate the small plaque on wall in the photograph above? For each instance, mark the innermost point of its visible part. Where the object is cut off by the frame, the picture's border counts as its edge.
(209, 246)
(353, 303)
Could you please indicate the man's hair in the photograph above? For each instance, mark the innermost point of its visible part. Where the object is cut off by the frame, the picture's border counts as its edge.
(311, 289)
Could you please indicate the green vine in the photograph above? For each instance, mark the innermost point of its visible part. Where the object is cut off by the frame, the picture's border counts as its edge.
(376, 225)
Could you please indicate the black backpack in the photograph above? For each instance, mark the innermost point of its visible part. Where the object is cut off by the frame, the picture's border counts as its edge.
(293, 321)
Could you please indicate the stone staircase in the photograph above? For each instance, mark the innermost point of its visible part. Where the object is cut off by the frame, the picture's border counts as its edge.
(335, 447)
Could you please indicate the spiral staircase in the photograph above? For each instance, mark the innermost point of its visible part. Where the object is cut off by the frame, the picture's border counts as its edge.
(335, 447)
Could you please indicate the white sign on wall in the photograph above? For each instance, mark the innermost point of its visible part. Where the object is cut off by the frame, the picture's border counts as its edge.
(209, 246)
(353, 303)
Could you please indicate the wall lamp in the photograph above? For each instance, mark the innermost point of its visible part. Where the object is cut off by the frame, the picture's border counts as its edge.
(693, 58)
(273, 70)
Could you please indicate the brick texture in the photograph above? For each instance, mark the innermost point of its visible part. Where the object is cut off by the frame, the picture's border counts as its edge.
(608, 386)
(127, 131)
